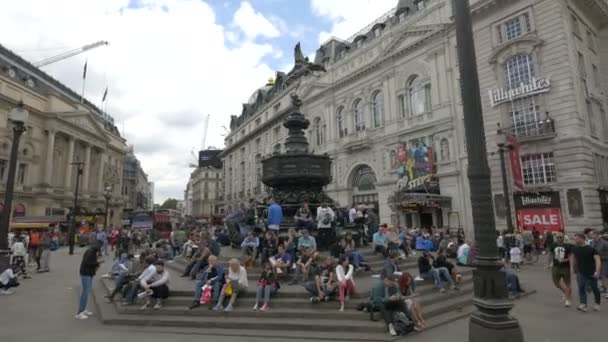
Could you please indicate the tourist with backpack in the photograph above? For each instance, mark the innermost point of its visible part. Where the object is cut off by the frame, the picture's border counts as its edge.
(325, 219)
(386, 297)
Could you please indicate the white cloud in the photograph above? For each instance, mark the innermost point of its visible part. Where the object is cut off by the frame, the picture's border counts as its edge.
(349, 16)
(254, 23)
(165, 70)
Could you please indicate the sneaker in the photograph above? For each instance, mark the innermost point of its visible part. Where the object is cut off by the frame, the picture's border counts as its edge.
(157, 306)
(144, 307)
(454, 287)
(596, 307)
(81, 316)
(391, 329)
(88, 313)
(582, 308)
(567, 303)
(6, 292)
(327, 298)
(194, 305)
(315, 300)
(108, 299)
(342, 308)
(264, 308)
(255, 307)
(106, 276)
(229, 308)
(218, 307)
(441, 290)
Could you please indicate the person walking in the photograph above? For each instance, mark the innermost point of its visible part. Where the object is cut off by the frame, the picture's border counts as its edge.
(601, 246)
(325, 218)
(586, 264)
(559, 254)
(88, 268)
(45, 252)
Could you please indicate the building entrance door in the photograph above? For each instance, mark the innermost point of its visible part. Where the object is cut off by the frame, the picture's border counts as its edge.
(426, 220)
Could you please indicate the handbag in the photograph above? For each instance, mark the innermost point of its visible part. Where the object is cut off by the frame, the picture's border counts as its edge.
(206, 295)
(228, 291)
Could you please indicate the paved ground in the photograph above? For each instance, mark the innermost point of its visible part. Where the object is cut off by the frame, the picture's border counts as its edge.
(44, 306)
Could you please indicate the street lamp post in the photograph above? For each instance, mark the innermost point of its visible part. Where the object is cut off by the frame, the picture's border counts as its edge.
(19, 117)
(502, 148)
(76, 209)
(491, 321)
(107, 195)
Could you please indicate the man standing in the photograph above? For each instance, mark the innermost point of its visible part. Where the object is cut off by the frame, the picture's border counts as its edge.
(325, 218)
(601, 246)
(45, 251)
(88, 268)
(560, 252)
(275, 216)
(102, 240)
(586, 264)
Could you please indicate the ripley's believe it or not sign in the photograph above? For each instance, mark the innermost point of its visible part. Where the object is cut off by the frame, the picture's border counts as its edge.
(414, 167)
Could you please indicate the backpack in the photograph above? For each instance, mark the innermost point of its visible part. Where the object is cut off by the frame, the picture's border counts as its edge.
(403, 325)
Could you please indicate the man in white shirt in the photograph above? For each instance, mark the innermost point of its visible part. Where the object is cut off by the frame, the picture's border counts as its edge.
(7, 281)
(462, 254)
(325, 218)
(148, 274)
(18, 257)
(352, 214)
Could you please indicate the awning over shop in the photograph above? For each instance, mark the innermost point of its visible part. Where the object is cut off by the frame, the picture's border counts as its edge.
(416, 200)
(36, 222)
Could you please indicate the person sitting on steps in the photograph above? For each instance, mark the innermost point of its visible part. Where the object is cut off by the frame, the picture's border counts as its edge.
(156, 286)
(346, 284)
(235, 283)
(350, 250)
(379, 241)
(324, 285)
(267, 286)
(304, 264)
(212, 275)
(250, 245)
(427, 271)
(281, 262)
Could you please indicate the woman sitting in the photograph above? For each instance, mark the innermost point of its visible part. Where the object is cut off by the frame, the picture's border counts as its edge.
(281, 262)
(236, 282)
(346, 284)
(267, 287)
(250, 245)
(350, 250)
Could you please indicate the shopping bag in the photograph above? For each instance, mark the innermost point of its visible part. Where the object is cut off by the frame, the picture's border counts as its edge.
(228, 290)
(206, 295)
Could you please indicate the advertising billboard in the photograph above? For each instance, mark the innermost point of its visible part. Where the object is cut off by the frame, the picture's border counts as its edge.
(541, 210)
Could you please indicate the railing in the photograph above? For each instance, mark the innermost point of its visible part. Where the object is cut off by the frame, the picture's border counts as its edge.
(535, 130)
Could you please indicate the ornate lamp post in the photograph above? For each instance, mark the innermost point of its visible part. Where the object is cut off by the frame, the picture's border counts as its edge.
(76, 209)
(107, 194)
(18, 116)
(491, 322)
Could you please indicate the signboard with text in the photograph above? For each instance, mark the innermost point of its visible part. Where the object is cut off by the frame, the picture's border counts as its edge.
(502, 95)
(541, 210)
(414, 167)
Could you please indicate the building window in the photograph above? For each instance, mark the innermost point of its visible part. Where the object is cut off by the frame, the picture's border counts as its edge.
(581, 65)
(591, 118)
(576, 29)
(402, 105)
(258, 121)
(419, 95)
(340, 124)
(277, 131)
(421, 4)
(596, 77)
(377, 109)
(538, 169)
(21, 172)
(590, 41)
(519, 70)
(358, 116)
(377, 32)
(525, 114)
(318, 131)
(514, 27)
(3, 165)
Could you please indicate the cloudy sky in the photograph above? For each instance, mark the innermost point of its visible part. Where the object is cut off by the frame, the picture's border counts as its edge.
(171, 62)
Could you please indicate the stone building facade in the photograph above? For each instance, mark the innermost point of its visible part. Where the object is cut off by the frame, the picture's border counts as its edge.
(135, 186)
(203, 198)
(388, 112)
(61, 130)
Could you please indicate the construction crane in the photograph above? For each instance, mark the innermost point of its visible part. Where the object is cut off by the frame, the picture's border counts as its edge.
(69, 54)
(194, 163)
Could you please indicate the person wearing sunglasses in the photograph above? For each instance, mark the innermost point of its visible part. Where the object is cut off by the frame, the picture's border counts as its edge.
(559, 258)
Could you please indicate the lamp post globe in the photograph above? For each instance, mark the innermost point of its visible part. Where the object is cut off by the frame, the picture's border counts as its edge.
(18, 116)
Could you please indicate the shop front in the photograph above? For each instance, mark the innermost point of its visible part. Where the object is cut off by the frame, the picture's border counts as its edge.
(540, 210)
(422, 210)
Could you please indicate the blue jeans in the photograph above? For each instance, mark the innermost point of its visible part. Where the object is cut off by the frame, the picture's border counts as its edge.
(584, 281)
(436, 274)
(355, 258)
(265, 291)
(86, 283)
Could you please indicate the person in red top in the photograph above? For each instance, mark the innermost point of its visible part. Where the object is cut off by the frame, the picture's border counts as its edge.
(114, 238)
(33, 248)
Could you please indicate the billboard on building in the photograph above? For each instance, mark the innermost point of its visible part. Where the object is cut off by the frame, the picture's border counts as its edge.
(540, 210)
(210, 158)
(414, 167)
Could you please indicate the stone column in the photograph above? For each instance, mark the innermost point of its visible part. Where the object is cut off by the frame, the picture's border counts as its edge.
(87, 168)
(69, 166)
(100, 184)
(50, 152)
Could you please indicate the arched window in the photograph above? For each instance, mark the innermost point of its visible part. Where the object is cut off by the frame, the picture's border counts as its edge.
(340, 124)
(444, 148)
(364, 178)
(377, 109)
(358, 116)
(419, 94)
(518, 69)
(318, 131)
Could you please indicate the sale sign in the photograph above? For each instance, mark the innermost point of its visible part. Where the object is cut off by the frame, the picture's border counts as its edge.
(539, 210)
(518, 179)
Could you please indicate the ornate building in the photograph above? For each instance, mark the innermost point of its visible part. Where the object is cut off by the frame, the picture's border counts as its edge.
(61, 131)
(135, 186)
(203, 198)
(388, 112)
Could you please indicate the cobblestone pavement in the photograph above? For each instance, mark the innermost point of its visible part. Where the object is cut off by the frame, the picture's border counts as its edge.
(43, 309)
